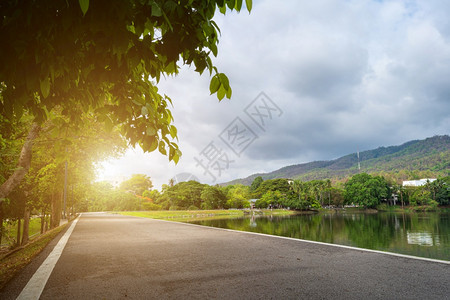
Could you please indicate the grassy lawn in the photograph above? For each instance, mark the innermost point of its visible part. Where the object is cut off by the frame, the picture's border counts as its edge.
(189, 215)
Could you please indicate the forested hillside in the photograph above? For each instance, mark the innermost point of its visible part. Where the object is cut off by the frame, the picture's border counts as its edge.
(419, 158)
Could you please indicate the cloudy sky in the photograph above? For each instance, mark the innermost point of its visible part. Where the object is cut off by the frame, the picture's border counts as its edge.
(337, 76)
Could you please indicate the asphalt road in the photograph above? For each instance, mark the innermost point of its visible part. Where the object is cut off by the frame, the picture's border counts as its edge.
(117, 257)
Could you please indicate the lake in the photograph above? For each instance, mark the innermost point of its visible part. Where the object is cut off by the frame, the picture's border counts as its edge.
(417, 234)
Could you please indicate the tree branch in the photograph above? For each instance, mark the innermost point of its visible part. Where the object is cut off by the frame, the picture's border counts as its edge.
(23, 165)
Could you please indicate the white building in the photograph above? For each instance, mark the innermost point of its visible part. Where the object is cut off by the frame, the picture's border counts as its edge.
(419, 182)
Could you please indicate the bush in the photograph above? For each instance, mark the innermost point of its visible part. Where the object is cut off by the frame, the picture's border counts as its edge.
(151, 206)
(382, 207)
(237, 203)
(192, 207)
(165, 205)
(432, 205)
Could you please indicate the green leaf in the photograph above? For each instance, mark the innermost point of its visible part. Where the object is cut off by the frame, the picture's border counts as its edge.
(84, 5)
(177, 156)
(229, 92)
(173, 131)
(109, 125)
(167, 21)
(171, 68)
(162, 148)
(170, 5)
(171, 152)
(248, 3)
(200, 64)
(151, 131)
(138, 101)
(224, 80)
(156, 10)
(214, 85)
(144, 111)
(238, 5)
(231, 4)
(213, 48)
(216, 26)
(153, 146)
(131, 28)
(221, 93)
(45, 87)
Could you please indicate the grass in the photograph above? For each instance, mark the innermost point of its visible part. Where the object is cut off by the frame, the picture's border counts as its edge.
(190, 215)
(278, 212)
(10, 229)
(11, 264)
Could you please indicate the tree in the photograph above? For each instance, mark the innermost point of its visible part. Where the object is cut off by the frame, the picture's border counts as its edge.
(271, 199)
(302, 190)
(366, 190)
(279, 184)
(421, 196)
(238, 196)
(104, 59)
(137, 184)
(41, 190)
(213, 198)
(256, 183)
(337, 196)
(48, 186)
(22, 166)
(14, 210)
(440, 190)
(182, 195)
(100, 197)
(153, 194)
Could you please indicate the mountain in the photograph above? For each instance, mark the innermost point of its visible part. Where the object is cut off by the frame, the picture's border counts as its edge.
(430, 157)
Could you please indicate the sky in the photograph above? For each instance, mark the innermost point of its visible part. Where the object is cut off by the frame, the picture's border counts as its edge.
(311, 80)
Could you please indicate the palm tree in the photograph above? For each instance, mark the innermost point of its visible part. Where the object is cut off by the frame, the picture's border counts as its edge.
(301, 188)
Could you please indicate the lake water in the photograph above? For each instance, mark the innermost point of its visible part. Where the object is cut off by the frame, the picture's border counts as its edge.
(418, 234)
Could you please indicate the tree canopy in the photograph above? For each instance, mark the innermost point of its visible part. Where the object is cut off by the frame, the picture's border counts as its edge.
(366, 190)
(104, 59)
(137, 184)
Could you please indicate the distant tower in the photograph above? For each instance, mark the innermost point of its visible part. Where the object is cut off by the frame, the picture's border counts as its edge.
(359, 164)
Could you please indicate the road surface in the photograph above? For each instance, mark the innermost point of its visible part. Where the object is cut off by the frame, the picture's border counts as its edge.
(116, 257)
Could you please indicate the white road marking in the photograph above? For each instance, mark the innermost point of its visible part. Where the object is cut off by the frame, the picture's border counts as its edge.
(35, 286)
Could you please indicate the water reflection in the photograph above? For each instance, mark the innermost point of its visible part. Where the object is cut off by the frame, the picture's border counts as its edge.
(419, 234)
(422, 239)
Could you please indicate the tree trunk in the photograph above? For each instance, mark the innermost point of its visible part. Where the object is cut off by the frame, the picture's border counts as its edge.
(42, 222)
(1, 222)
(18, 231)
(44, 219)
(26, 226)
(52, 213)
(401, 197)
(56, 212)
(71, 198)
(22, 166)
